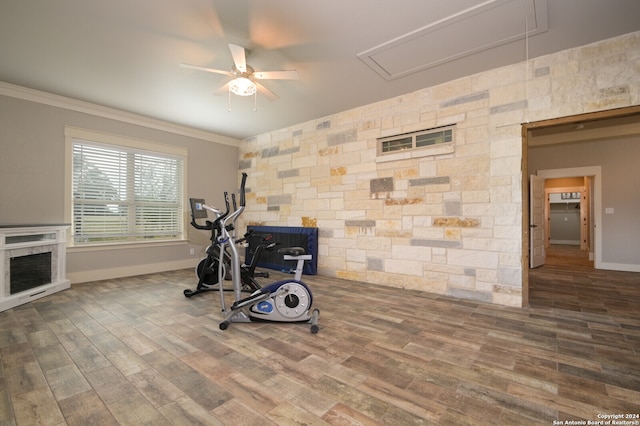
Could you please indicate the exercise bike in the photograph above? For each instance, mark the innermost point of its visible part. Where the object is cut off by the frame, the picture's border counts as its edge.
(287, 300)
(216, 266)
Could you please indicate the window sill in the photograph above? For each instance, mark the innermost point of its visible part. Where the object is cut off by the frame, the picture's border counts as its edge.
(122, 246)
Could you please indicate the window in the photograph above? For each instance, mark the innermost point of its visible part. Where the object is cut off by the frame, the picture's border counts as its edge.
(124, 193)
(420, 144)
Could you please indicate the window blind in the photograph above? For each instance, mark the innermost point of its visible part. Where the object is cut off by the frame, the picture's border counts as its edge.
(123, 194)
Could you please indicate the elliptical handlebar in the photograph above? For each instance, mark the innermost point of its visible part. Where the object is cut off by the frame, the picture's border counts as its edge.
(227, 223)
(237, 212)
(226, 201)
(206, 227)
(244, 181)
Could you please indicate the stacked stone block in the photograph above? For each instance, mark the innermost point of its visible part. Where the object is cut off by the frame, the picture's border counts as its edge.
(449, 222)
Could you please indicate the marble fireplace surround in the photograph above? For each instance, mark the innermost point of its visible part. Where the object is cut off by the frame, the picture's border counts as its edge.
(24, 240)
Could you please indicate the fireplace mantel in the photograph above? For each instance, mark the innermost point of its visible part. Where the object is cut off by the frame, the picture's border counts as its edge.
(32, 262)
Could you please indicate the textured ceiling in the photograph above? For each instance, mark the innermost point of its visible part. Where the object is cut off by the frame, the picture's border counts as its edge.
(126, 54)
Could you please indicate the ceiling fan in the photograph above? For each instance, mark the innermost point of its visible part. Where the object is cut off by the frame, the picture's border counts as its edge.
(244, 77)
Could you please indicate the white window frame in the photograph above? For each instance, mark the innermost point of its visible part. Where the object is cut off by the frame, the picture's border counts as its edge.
(73, 134)
(411, 147)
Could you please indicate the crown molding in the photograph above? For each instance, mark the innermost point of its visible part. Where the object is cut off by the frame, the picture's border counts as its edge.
(32, 95)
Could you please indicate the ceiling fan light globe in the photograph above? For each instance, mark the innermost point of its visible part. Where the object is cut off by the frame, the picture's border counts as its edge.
(242, 86)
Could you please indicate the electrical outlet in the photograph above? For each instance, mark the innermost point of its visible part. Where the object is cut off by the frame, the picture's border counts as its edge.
(192, 251)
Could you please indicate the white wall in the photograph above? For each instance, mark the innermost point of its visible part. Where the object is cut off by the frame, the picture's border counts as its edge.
(618, 158)
(32, 175)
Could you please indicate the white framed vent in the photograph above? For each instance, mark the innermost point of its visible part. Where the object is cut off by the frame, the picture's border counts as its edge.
(457, 33)
(423, 143)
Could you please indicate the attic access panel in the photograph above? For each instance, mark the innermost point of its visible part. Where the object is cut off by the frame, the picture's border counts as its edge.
(477, 28)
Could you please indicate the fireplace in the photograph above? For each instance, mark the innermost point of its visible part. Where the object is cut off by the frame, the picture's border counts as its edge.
(30, 271)
(32, 263)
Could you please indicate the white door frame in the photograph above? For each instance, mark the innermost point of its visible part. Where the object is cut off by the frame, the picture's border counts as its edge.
(596, 172)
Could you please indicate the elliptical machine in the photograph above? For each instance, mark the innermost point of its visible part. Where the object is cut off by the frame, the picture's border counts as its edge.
(287, 300)
(216, 266)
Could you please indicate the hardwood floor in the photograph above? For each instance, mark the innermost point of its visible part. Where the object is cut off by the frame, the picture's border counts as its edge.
(569, 281)
(135, 351)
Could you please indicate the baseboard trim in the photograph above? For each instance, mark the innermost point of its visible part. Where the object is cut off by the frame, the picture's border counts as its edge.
(627, 267)
(32, 294)
(128, 271)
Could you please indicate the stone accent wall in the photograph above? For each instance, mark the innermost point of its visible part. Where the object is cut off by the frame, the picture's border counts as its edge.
(449, 223)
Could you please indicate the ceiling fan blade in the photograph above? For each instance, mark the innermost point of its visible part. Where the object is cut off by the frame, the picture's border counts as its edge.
(199, 68)
(223, 90)
(276, 75)
(239, 58)
(266, 92)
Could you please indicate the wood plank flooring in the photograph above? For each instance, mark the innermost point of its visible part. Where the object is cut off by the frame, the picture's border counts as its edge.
(135, 351)
(569, 281)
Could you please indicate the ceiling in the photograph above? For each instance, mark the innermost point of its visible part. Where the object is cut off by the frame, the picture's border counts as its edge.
(125, 54)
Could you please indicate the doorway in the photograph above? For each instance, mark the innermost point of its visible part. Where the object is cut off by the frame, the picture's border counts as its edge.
(569, 212)
(569, 130)
(561, 213)
(588, 216)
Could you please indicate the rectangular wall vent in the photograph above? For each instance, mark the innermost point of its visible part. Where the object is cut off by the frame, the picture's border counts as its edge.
(421, 143)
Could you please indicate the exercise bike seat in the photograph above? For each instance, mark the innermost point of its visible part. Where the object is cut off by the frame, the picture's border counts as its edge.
(292, 251)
